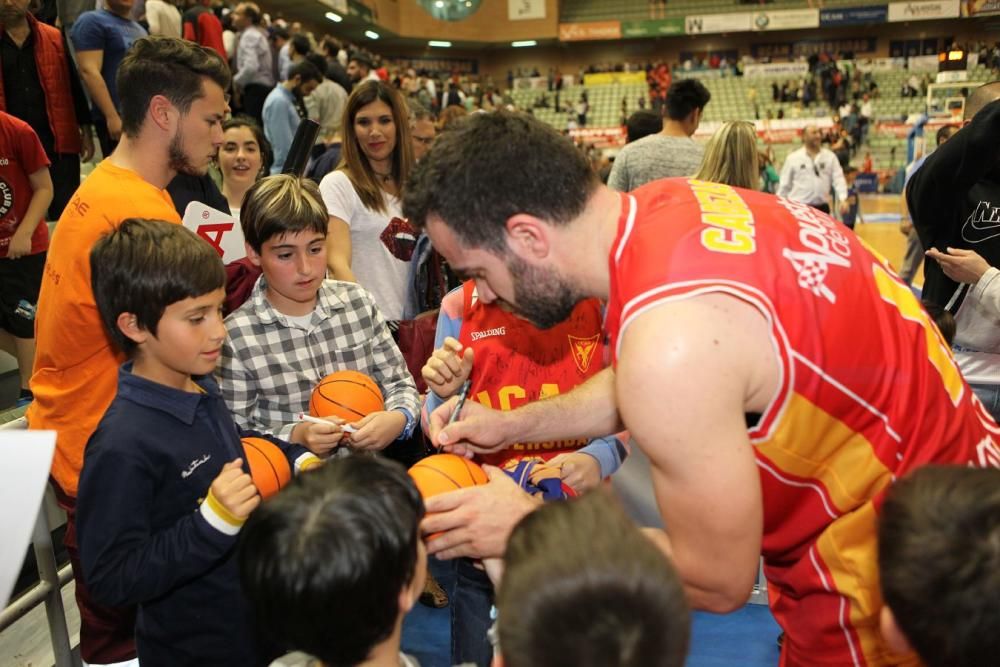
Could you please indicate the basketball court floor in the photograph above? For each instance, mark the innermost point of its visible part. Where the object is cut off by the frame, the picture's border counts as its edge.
(747, 637)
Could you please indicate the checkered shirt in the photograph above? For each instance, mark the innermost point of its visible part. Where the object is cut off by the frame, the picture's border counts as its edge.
(270, 365)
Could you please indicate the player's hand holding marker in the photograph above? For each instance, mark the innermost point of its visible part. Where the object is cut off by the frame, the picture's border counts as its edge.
(448, 368)
(478, 429)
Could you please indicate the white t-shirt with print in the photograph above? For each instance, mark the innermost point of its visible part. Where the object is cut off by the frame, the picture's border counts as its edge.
(381, 243)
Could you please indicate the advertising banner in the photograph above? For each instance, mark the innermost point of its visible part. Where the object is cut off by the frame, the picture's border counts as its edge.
(674, 26)
(786, 19)
(709, 23)
(593, 30)
(791, 70)
(980, 7)
(606, 78)
(923, 10)
(853, 16)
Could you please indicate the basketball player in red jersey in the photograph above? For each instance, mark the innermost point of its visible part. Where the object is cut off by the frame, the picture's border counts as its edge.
(776, 373)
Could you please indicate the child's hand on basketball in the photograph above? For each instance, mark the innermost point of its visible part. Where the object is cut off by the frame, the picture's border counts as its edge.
(580, 471)
(235, 491)
(320, 439)
(447, 368)
(377, 430)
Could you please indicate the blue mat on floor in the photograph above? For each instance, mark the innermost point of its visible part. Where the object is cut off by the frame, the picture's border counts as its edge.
(746, 637)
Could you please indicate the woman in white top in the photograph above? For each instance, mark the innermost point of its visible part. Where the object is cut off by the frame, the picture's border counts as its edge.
(368, 240)
(244, 157)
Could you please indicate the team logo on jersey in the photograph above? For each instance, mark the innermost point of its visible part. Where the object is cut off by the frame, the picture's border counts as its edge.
(6, 198)
(583, 350)
(983, 224)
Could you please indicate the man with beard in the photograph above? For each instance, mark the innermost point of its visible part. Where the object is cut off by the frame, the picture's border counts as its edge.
(765, 433)
(283, 109)
(172, 106)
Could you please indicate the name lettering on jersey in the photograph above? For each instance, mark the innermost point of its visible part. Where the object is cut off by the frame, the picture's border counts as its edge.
(496, 331)
(575, 443)
(826, 246)
(730, 227)
(508, 394)
(988, 453)
(583, 350)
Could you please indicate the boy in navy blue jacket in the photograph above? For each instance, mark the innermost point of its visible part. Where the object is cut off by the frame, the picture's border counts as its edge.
(164, 489)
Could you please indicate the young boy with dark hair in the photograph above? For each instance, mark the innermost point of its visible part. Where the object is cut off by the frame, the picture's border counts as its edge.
(297, 327)
(939, 557)
(164, 488)
(583, 586)
(333, 563)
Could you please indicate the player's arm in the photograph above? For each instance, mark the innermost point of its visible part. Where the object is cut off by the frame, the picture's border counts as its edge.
(90, 63)
(688, 372)
(41, 197)
(588, 411)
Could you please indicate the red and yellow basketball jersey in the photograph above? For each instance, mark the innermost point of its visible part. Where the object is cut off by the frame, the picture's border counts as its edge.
(517, 363)
(868, 389)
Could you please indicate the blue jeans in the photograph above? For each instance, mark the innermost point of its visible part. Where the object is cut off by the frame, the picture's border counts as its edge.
(989, 394)
(471, 601)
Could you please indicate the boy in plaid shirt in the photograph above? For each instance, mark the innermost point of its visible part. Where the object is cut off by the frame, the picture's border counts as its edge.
(297, 327)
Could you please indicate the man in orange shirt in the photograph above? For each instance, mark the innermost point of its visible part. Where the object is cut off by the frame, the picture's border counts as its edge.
(172, 106)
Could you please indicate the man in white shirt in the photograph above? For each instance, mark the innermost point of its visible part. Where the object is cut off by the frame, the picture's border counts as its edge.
(810, 172)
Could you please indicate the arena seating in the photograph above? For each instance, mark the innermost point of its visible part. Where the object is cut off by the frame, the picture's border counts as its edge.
(730, 101)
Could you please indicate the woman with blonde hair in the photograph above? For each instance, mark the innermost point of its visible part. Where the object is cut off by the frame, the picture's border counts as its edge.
(731, 156)
(368, 241)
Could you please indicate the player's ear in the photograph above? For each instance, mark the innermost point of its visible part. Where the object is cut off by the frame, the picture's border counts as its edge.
(891, 632)
(129, 325)
(528, 236)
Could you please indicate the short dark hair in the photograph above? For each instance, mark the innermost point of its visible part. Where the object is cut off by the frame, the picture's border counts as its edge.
(324, 561)
(685, 96)
(583, 586)
(318, 61)
(301, 45)
(306, 71)
(281, 204)
(980, 97)
(174, 68)
(641, 124)
(361, 59)
(944, 320)
(542, 172)
(143, 266)
(944, 133)
(266, 152)
(939, 563)
(252, 11)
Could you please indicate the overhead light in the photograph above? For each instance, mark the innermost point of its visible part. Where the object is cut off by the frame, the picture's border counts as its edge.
(371, 34)
(439, 4)
(525, 42)
(436, 42)
(336, 18)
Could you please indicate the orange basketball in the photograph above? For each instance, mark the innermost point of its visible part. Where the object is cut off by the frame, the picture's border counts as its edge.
(268, 466)
(349, 395)
(441, 473)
